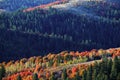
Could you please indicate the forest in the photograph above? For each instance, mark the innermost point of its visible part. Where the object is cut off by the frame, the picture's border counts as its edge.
(41, 42)
(74, 65)
(41, 31)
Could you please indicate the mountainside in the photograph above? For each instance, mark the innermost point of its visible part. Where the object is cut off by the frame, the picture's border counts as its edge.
(53, 30)
(80, 7)
(34, 32)
(105, 64)
(13, 5)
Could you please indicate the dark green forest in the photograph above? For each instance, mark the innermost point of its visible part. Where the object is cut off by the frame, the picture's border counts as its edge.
(41, 31)
(108, 69)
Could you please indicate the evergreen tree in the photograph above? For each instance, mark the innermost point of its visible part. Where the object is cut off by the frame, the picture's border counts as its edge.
(77, 77)
(35, 77)
(118, 77)
(2, 72)
(118, 66)
(106, 77)
(89, 73)
(113, 74)
(100, 76)
(52, 77)
(115, 63)
(67, 78)
(84, 75)
(95, 74)
(104, 66)
(109, 64)
(19, 77)
(50, 63)
(64, 74)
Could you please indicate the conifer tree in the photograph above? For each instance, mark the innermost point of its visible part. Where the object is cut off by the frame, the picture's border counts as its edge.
(115, 63)
(77, 77)
(106, 77)
(89, 73)
(35, 77)
(67, 78)
(64, 74)
(19, 77)
(84, 75)
(52, 77)
(118, 77)
(109, 64)
(113, 74)
(2, 72)
(95, 74)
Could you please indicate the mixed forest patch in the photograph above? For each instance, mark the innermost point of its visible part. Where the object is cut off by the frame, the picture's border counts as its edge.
(88, 65)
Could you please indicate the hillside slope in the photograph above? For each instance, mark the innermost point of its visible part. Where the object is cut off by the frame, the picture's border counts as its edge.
(68, 31)
(66, 65)
(13, 5)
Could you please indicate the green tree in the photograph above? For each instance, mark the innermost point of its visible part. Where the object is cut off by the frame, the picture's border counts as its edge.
(64, 74)
(77, 77)
(100, 76)
(95, 74)
(35, 77)
(89, 73)
(106, 77)
(67, 78)
(84, 75)
(113, 74)
(109, 64)
(52, 77)
(19, 77)
(115, 63)
(2, 72)
(50, 63)
(104, 67)
(118, 77)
